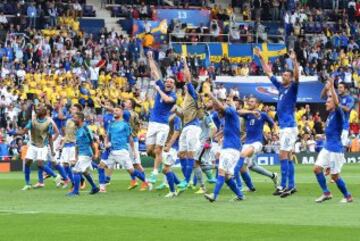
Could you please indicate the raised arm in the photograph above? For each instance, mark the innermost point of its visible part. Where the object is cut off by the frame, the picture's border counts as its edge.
(166, 98)
(154, 70)
(265, 67)
(325, 90)
(333, 92)
(216, 102)
(296, 66)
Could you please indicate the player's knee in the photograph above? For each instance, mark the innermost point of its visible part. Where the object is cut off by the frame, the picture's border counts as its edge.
(317, 169)
(182, 154)
(166, 169)
(335, 177)
(158, 150)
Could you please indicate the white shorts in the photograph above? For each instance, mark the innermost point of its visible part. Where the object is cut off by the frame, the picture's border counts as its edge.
(121, 157)
(345, 137)
(157, 134)
(83, 164)
(169, 158)
(228, 160)
(135, 159)
(190, 138)
(68, 155)
(257, 146)
(332, 160)
(214, 150)
(288, 138)
(37, 153)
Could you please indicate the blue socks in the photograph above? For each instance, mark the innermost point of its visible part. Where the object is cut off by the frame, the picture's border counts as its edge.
(132, 177)
(139, 175)
(90, 180)
(232, 184)
(284, 172)
(49, 171)
(94, 165)
(189, 168)
(291, 174)
(219, 183)
(195, 180)
(176, 179)
(69, 173)
(237, 168)
(77, 178)
(342, 187)
(61, 170)
(40, 174)
(170, 180)
(247, 179)
(102, 177)
(183, 163)
(322, 182)
(27, 171)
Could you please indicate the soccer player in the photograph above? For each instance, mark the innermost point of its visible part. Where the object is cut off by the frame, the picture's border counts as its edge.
(229, 154)
(85, 153)
(189, 140)
(254, 123)
(347, 103)
(332, 155)
(118, 139)
(158, 128)
(68, 151)
(41, 128)
(170, 154)
(203, 161)
(286, 104)
(131, 117)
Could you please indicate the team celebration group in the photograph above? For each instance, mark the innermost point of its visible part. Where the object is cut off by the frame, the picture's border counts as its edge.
(202, 133)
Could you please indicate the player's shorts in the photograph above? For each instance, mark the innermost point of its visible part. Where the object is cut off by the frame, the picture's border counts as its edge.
(288, 138)
(203, 154)
(83, 164)
(105, 155)
(215, 149)
(228, 160)
(56, 145)
(190, 138)
(121, 157)
(333, 160)
(135, 159)
(37, 153)
(345, 137)
(169, 158)
(257, 146)
(68, 154)
(157, 134)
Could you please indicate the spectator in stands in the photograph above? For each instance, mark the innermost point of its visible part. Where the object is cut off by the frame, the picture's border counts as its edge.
(31, 14)
(77, 9)
(53, 15)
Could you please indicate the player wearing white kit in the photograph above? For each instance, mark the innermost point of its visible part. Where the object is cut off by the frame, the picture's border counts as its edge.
(189, 140)
(288, 89)
(332, 155)
(131, 117)
(41, 128)
(158, 128)
(68, 143)
(170, 154)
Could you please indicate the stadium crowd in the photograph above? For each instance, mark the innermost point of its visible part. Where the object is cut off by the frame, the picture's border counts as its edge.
(61, 65)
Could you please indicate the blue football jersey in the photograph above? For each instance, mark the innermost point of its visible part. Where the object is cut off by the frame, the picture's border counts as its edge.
(255, 127)
(286, 103)
(333, 129)
(232, 129)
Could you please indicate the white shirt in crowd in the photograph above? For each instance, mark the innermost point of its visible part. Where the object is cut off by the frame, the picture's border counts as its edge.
(3, 19)
(311, 144)
(222, 93)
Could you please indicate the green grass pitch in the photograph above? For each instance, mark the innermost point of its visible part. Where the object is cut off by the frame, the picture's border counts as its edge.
(123, 215)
